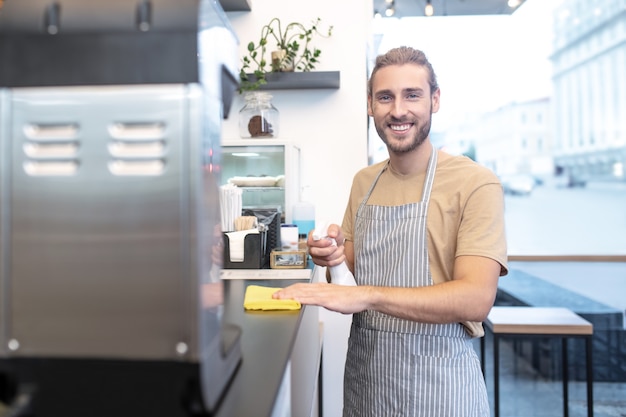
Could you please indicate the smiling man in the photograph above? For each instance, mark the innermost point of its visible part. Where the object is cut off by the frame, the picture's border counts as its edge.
(423, 234)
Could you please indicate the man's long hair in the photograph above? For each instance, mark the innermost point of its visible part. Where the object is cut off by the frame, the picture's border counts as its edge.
(400, 56)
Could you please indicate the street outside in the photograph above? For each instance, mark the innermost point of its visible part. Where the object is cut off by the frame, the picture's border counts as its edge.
(552, 220)
(567, 221)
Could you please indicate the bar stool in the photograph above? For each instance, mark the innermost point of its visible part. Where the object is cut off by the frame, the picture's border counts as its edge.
(539, 321)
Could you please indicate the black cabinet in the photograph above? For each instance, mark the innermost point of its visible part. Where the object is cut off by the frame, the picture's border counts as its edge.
(235, 5)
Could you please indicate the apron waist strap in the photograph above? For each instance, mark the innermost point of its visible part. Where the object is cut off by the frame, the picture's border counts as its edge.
(377, 321)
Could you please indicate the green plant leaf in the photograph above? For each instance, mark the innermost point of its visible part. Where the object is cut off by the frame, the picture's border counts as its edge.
(295, 38)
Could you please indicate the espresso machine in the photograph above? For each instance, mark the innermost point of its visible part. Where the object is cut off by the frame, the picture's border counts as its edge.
(110, 131)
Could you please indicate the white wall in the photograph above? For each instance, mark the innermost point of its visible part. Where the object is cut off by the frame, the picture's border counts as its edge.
(330, 127)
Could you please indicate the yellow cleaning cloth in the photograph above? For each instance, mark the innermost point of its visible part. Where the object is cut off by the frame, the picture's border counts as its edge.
(260, 298)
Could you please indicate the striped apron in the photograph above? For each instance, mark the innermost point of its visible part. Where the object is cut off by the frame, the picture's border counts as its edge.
(397, 367)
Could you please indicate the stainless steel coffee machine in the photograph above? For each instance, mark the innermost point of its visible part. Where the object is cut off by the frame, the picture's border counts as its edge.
(110, 132)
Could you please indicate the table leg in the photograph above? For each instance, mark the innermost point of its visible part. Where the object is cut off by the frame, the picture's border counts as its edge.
(565, 377)
(496, 375)
(588, 348)
(482, 354)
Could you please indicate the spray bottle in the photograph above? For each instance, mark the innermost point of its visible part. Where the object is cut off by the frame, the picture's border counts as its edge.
(339, 274)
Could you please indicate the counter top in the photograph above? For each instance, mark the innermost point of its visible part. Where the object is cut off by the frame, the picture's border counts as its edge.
(268, 340)
(277, 375)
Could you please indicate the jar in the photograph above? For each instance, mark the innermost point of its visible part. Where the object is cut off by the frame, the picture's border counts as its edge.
(258, 118)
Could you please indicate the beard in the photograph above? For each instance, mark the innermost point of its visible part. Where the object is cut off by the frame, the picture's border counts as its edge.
(393, 146)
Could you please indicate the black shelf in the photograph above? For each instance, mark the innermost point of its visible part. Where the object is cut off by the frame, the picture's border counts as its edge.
(300, 80)
(236, 5)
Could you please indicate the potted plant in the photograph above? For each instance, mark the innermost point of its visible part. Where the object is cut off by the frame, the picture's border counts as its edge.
(291, 50)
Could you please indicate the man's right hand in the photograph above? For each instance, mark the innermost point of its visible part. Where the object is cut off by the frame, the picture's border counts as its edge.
(325, 252)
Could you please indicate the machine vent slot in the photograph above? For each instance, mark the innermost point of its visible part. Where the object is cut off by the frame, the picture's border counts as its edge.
(153, 149)
(51, 149)
(137, 148)
(137, 131)
(50, 168)
(51, 132)
(137, 168)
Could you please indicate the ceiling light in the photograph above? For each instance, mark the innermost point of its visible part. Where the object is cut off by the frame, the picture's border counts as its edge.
(514, 3)
(391, 8)
(245, 154)
(429, 9)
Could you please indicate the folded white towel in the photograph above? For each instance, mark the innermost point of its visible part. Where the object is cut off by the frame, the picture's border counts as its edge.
(236, 243)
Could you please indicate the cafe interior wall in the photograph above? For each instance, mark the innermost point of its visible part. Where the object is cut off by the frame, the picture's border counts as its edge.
(329, 126)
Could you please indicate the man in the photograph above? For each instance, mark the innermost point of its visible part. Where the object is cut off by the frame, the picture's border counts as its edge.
(424, 236)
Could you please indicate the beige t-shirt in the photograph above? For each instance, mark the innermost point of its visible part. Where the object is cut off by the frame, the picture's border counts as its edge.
(465, 214)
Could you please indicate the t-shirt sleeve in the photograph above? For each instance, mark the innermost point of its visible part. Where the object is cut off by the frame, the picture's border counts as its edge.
(482, 230)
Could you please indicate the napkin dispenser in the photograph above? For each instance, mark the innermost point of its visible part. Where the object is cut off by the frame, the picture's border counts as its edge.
(270, 219)
(245, 251)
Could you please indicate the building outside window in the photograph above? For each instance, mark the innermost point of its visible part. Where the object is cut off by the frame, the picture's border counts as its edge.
(545, 97)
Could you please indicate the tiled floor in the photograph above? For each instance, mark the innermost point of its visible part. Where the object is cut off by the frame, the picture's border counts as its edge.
(524, 393)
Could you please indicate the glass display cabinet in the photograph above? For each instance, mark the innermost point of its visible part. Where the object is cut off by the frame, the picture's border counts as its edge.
(267, 170)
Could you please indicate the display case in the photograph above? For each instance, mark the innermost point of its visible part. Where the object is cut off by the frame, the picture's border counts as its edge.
(267, 170)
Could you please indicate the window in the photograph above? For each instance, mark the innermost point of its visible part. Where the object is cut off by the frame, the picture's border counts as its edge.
(564, 71)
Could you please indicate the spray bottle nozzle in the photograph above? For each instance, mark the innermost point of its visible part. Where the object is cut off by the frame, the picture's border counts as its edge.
(339, 274)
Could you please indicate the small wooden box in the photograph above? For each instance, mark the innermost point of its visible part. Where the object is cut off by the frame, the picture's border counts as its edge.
(288, 259)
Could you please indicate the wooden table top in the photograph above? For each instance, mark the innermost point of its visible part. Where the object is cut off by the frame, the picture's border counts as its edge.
(537, 320)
